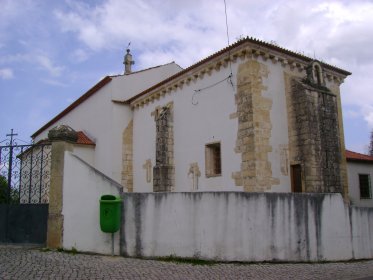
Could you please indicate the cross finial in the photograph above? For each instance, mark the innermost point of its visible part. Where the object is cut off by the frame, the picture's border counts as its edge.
(11, 136)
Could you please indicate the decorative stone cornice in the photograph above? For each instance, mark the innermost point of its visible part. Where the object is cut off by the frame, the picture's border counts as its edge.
(247, 49)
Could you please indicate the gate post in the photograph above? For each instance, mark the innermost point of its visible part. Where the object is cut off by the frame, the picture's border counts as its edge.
(63, 139)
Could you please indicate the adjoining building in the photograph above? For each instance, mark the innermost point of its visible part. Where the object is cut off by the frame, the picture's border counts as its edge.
(360, 174)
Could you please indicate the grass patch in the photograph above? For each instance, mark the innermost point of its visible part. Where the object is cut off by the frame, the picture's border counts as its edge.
(73, 250)
(192, 261)
(46, 249)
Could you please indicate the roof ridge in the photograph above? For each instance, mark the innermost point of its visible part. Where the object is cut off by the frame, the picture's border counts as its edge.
(143, 70)
(230, 47)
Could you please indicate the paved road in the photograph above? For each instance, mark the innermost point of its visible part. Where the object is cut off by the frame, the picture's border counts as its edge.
(26, 263)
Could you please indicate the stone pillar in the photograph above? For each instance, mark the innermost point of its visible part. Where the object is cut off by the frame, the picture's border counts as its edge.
(163, 171)
(254, 128)
(62, 138)
(127, 157)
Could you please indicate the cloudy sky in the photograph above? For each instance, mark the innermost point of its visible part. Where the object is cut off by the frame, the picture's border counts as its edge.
(51, 52)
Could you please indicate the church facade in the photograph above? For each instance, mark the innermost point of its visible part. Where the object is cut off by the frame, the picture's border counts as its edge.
(252, 117)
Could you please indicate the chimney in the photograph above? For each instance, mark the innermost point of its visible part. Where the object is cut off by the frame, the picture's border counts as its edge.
(128, 62)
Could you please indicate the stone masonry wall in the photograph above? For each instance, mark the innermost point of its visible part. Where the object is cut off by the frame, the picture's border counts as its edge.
(343, 164)
(314, 135)
(164, 170)
(254, 128)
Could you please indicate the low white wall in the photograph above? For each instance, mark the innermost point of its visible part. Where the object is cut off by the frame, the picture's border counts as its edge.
(83, 186)
(236, 226)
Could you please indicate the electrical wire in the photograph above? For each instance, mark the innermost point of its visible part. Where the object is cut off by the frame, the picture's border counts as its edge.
(229, 78)
(226, 25)
(197, 91)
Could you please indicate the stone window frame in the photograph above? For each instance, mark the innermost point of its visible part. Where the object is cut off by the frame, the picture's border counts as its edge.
(368, 187)
(213, 162)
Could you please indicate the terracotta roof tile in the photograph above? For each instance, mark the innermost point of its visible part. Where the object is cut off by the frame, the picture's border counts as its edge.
(353, 156)
(84, 139)
(228, 49)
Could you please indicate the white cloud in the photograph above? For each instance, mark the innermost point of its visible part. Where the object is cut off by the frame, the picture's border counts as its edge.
(80, 55)
(53, 82)
(6, 73)
(46, 63)
(368, 114)
(42, 60)
(167, 28)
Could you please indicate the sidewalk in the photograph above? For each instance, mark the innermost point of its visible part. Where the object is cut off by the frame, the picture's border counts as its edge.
(18, 262)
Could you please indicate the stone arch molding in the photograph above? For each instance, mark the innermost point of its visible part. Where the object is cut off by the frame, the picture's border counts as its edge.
(315, 73)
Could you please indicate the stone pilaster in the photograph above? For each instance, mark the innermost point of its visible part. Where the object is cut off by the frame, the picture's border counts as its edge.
(127, 157)
(164, 170)
(254, 128)
(343, 163)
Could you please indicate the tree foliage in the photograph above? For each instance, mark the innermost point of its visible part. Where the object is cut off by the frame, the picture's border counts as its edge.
(14, 196)
(3, 189)
(371, 144)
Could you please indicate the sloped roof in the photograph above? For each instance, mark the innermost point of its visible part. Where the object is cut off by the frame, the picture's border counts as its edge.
(227, 50)
(353, 156)
(88, 94)
(75, 104)
(84, 139)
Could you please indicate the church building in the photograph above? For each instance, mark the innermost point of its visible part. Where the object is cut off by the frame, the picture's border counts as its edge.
(253, 117)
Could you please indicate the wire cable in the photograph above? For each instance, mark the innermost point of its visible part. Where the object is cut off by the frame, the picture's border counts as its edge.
(227, 28)
(229, 78)
(197, 91)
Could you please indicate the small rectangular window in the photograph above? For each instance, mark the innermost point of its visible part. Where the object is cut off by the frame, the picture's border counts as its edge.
(213, 160)
(365, 188)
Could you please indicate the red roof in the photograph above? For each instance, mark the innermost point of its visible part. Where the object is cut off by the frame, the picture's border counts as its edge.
(353, 156)
(84, 139)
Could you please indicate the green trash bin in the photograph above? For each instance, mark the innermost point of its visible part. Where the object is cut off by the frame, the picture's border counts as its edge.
(110, 213)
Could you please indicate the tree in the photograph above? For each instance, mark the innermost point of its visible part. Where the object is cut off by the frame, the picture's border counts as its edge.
(3, 189)
(14, 195)
(371, 144)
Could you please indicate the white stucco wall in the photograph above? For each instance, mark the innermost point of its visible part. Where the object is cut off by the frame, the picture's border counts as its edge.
(82, 188)
(279, 139)
(194, 127)
(237, 226)
(128, 86)
(206, 122)
(104, 121)
(353, 171)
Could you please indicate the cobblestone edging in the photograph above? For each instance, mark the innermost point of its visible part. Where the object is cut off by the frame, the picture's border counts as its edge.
(24, 263)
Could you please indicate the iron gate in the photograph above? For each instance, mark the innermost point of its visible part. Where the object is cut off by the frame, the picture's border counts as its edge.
(24, 191)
